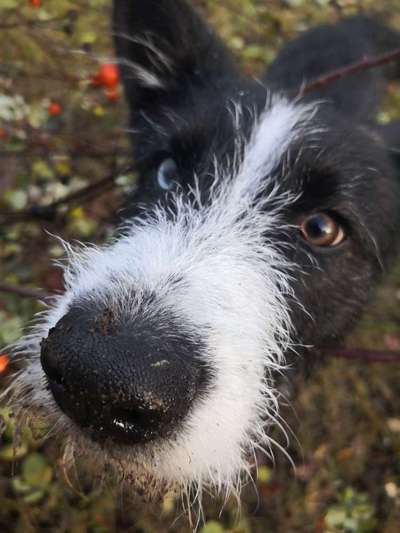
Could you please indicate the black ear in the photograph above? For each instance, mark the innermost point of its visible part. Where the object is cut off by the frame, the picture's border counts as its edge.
(326, 48)
(163, 46)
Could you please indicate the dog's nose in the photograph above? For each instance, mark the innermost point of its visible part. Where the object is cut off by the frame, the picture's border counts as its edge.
(129, 380)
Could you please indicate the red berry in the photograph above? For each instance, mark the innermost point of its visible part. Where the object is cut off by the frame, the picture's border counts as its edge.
(3, 133)
(107, 76)
(4, 361)
(35, 3)
(54, 109)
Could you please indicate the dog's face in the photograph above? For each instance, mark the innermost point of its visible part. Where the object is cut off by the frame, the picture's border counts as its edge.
(258, 227)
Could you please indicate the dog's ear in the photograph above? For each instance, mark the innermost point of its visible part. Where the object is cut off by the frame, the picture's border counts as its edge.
(163, 46)
(325, 49)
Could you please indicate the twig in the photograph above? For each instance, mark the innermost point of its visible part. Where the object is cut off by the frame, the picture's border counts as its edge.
(87, 192)
(25, 292)
(49, 211)
(34, 150)
(369, 356)
(33, 22)
(365, 64)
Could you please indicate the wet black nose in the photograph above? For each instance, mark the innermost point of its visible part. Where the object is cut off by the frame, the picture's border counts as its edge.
(129, 380)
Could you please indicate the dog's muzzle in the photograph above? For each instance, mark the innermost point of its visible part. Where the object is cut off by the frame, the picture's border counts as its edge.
(130, 380)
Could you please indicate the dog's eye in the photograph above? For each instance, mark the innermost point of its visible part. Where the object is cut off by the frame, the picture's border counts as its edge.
(320, 229)
(167, 174)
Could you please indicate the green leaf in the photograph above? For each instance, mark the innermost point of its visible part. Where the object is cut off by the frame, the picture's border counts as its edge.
(8, 4)
(11, 453)
(35, 496)
(20, 487)
(212, 527)
(10, 328)
(36, 471)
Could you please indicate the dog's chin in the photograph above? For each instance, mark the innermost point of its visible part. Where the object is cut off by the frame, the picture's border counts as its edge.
(106, 462)
(90, 456)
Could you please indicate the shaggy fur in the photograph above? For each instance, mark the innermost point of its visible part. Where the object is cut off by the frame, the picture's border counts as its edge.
(217, 267)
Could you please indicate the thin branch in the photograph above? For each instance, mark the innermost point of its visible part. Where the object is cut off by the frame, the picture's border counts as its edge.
(25, 292)
(33, 151)
(369, 356)
(49, 211)
(99, 186)
(365, 64)
(34, 22)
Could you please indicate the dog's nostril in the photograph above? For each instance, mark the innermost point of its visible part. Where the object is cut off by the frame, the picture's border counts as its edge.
(51, 364)
(135, 424)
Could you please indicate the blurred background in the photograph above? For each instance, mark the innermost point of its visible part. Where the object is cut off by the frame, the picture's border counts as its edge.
(62, 119)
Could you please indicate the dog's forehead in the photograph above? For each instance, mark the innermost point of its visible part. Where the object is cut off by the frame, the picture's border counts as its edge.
(224, 125)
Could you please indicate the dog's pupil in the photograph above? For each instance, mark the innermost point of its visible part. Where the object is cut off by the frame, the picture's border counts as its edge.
(320, 229)
(167, 174)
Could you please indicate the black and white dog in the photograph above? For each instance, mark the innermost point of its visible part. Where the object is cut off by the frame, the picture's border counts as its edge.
(261, 221)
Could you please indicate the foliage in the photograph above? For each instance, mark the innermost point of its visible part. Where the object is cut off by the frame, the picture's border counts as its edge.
(62, 129)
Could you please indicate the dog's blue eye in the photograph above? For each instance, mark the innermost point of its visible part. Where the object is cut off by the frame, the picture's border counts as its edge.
(167, 174)
(320, 229)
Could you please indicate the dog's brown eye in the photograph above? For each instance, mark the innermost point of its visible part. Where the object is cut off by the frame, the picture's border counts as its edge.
(320, 229)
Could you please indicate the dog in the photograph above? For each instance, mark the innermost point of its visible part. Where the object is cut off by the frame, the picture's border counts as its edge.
(263, 217)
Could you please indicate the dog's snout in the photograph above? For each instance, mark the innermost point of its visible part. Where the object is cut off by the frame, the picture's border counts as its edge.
(129, 380)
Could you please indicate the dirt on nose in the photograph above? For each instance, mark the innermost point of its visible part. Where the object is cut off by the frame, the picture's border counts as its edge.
(105, 324)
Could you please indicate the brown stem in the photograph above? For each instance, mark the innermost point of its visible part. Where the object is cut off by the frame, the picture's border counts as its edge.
(32, 22)
(49, 211)
(25, 292)
(101, 185)
(344, 72)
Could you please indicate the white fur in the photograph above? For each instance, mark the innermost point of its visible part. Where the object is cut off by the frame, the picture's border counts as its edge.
(145, 77)
(160, 63)
(214, 266)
